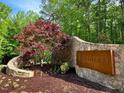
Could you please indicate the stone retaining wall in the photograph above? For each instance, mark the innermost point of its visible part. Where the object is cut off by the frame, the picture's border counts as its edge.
(14, 70)
(115, 82)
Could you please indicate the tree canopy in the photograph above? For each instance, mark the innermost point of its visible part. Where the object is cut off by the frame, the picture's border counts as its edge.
(4, 11)
(99, 21)
(9, 26)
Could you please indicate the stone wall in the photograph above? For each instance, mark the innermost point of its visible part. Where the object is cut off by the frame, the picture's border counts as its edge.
(115, 82)
(13, 68)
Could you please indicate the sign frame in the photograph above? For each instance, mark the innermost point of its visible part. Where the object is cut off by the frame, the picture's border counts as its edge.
(99, 60)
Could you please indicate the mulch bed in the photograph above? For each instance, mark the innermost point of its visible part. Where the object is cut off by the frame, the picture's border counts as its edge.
(46, 82)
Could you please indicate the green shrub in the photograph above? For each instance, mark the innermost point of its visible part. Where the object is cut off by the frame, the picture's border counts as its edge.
(64, 67)
(10, 26)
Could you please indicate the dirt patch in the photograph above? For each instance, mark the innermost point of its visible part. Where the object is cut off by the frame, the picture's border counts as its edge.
(47, 82)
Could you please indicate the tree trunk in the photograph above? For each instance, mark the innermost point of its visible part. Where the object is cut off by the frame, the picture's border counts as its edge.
(122, 9)
(105, 15)
(111, 26)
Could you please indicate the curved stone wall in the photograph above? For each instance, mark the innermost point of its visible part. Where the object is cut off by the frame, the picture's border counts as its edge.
(14, 70)
(115, 82)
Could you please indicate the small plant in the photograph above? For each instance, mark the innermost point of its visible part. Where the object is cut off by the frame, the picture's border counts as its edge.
(64, 67)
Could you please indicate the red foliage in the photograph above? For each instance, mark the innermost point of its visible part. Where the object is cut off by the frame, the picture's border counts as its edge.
(39, 37)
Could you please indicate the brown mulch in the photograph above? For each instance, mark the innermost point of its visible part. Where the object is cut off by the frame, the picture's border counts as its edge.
(45, 82)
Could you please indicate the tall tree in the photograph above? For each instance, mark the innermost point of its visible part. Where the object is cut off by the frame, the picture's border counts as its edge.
(122, 27)
(4, 11)
(92, 20)
(10, 26)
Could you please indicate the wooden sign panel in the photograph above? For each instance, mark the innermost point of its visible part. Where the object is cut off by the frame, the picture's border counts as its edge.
(102, 61)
